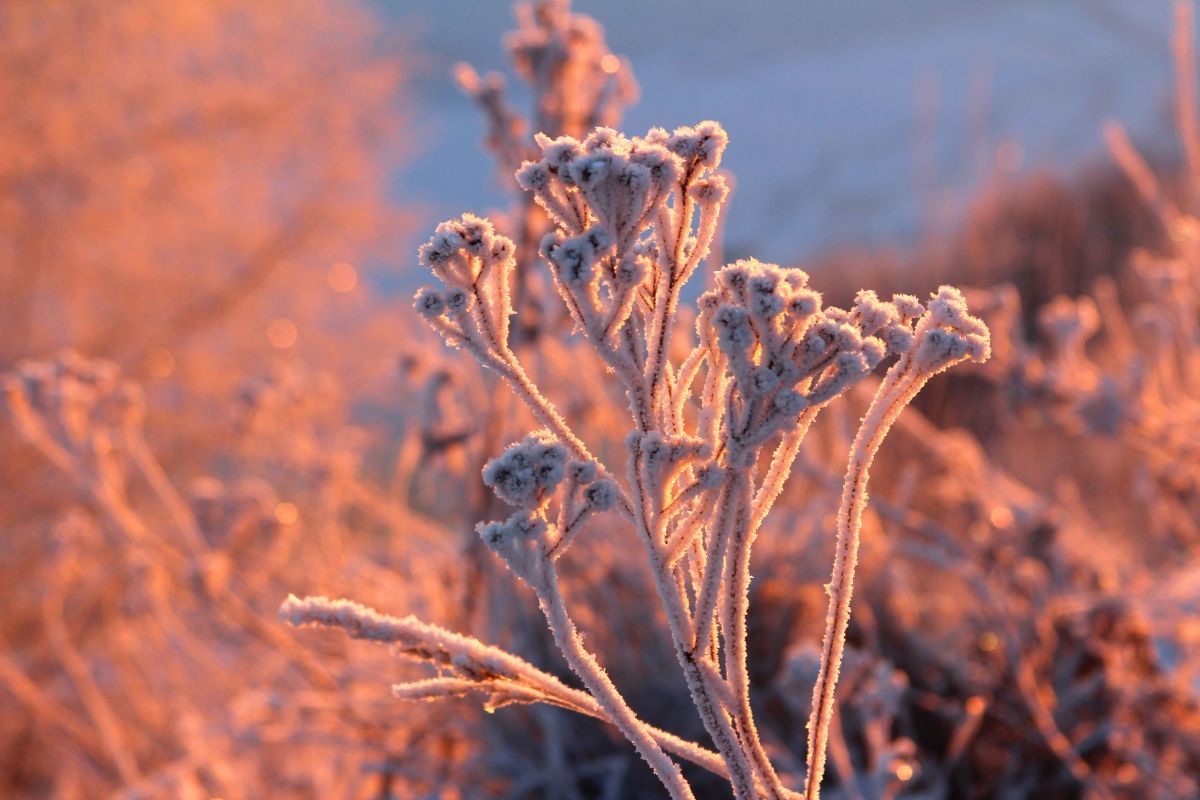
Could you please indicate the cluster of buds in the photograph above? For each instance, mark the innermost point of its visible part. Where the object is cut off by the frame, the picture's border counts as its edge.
(785, 352)
(528, 475)
(622, 183)
(635, 217)
(474, 309)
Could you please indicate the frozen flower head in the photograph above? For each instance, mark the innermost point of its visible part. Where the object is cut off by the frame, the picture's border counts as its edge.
(527, 472)
(618, 179)
(948, 334)
(463, 249)
(701, 146)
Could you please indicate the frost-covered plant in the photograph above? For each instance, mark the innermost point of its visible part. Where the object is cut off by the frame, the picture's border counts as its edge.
(634, 219)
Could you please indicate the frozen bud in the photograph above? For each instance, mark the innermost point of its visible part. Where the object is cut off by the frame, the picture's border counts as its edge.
(663, 166)
(766, 306)
(558, 152)
(448, 235)
(795, 278)
(582, 472)
(847, 337)
(874, 350)
(939, 348)
(733, 329)
(898, 338)
(907, 306)
(524, 525)
(575, 257)
(736, 277)
(683, 142)
(601, 495)
(979, 347)
(804, 303)
(551, 466)
(457, 299)
(492, 533)
(709, 191)
(502, 248)
(657, 136)
(634, 177)
(477, 235)
(435, 252)
(533, 176)
(711, 140)
(949, 308)
(848, 369)
(873, 313)
(549, 244)
(764, 282)
(604, 139)
(590, 169)
(429, 302)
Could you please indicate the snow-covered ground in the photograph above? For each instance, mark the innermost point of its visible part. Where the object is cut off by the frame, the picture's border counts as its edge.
(850, 123)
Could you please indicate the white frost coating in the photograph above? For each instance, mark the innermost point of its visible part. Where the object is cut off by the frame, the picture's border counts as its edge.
(946, 335)
(630, 220)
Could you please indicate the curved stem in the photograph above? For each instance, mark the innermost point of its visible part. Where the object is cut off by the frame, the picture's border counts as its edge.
(897, 389)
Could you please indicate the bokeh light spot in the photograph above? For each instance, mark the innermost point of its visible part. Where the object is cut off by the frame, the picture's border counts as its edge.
(342, 277)
(1002, 517)
(286, 513)
(282, 333)
(610, 64)
(160, 363)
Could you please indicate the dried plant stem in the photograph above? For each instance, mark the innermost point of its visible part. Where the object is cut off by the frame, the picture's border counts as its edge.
(893, 394)
(737, 602)
(584, 664)
(705, 696)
